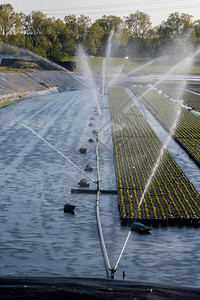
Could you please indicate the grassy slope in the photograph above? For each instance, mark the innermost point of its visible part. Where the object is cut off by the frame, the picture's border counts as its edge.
(7, 103)
(129, 65)
(96, 64)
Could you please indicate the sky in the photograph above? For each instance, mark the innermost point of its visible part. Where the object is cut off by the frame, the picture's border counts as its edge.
(158, 10)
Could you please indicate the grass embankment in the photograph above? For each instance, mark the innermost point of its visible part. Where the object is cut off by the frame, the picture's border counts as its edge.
(170, 195)
(129, 65)
(21, 66)
(7, 103)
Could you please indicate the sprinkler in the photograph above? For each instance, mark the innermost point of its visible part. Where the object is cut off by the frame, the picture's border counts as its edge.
(68, 207)
(84, 183)
(91, 141)
(89, 168)
(83, 150)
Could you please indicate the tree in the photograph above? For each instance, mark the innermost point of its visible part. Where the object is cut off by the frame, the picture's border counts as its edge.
(177, 35)
(196, 26)
(83, 24)
(120, 42)
(58, 36)
(26, 27)
(79, 29)
(110, 25)
(140, 25)
(37, 30)
(176, 26)
(49, 31)
(10, 22)
(93, 38)
(153, 41)
(133, 37)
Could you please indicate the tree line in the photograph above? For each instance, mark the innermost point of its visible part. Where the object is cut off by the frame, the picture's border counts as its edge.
(133, 36)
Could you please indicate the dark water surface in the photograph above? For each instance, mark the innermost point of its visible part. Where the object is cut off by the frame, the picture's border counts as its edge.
(37, 238)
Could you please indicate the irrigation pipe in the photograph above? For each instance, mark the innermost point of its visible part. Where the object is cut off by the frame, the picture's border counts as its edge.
(105, 254)
(69, 160)
(109, 270)
(102, 241)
